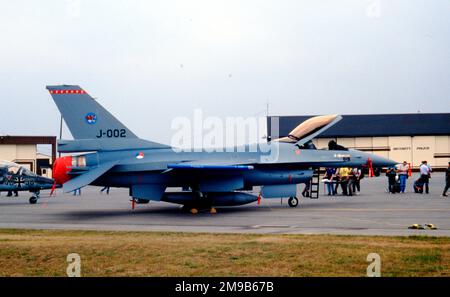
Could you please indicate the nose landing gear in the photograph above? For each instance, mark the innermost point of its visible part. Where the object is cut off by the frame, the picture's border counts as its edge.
(34, 199)
(293, 201)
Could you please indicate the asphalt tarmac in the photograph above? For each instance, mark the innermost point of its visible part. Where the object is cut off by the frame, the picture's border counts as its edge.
(372, 212)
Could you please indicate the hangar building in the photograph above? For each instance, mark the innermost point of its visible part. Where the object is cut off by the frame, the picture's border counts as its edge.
(23, 150)
(401, 137)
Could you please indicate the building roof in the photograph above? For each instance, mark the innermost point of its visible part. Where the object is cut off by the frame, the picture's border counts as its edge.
(8, 139)
(374, 125)
(30, 140)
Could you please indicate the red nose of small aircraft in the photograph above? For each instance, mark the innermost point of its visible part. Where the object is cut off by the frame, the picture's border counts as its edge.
(61, 170)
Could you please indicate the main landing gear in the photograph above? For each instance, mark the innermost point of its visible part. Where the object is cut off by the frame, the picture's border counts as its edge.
(201, 202)
(293, 201)
(34, 199)
(196, 209)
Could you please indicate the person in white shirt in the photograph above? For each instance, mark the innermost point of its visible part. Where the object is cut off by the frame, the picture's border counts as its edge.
(425, 174)
(357, 174)
(403, 175)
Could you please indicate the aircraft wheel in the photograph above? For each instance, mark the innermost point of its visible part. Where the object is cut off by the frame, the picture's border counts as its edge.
(142, 201)
(293, 201)
(33, 200)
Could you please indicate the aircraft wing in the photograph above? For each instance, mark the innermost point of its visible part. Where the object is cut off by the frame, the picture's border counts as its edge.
(212, 183)
(243, 164)
(88, 177)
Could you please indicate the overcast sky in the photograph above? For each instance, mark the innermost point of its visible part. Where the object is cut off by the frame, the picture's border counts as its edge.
(151, 61)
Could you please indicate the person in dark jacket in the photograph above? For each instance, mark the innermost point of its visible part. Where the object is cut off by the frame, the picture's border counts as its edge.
(306, 192)
(391, 174)
(329, 176)
(447, 181)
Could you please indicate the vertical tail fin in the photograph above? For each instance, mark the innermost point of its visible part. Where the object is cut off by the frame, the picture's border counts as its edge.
(85, 117)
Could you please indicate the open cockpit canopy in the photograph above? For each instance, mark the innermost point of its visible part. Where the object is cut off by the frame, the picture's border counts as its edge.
(310, 128)
(14, 168)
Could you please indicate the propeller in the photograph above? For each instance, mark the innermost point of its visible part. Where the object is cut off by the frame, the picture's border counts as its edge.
(53, 189)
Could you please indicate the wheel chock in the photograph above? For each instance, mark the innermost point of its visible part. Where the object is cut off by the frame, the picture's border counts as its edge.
(416, 226)
(430, 226)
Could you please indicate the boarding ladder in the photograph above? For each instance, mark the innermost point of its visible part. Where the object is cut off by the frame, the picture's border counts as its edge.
(314, 189)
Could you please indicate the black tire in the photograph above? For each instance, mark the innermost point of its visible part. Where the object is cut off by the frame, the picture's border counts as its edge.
(293, 202)
(186, 208)
(142, 201)
(33, 200)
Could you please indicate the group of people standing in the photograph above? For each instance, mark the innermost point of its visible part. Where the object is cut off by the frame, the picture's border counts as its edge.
(397, 177)
(403, 171)
(348, 178)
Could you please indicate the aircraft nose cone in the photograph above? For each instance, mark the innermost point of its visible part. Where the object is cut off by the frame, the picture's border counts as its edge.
(61, 167)
(378, 161)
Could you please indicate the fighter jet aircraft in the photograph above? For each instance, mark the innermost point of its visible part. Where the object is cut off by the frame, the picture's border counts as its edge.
(115, 157)
(15, 178)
